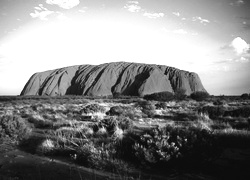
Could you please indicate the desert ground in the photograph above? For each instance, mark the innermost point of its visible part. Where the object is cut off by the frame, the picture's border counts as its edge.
(76, 137)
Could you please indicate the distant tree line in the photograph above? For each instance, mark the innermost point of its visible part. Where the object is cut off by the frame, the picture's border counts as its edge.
(245, 96)
(180, 94)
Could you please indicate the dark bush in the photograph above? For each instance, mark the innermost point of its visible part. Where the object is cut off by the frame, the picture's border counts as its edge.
(180, 94)
(127, 111)
(92, 108)
(146, 105)
(161, 105)
(218, 102)
(13, 127)
(160, 96)
(212, 111)
(115, 111)
(147, 108)
(199, 95)
(241, 112)
(148, 113)
(112, 122)
(117, 95)
(244, 96)
(124, 122)
(241, 124)
(109, 124)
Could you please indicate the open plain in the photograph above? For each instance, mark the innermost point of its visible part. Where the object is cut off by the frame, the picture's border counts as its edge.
(76, 137)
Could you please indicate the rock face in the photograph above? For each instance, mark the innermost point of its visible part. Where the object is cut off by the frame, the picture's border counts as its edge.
(112, 78)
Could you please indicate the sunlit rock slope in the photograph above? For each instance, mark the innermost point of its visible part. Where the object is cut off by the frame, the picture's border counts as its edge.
(112, 78)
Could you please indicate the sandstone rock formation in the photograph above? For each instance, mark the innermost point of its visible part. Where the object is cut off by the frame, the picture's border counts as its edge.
(112, 78)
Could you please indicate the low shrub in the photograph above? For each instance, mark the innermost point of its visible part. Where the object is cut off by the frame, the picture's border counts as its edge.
(244, 96)
(46, 147)
(89, 156)
(36, 107)
(241, 112)
(199, 95)
(13, 127)
(212, 111)
(170, 144)
(92, 108)
(156, 147)
(160, 96)
(101, 157)
(112, 123)
(115, 111)
(109, 123)
(148, 108)
(102, 131)
(161, 105)
(146, 105)
(180, 94)
(148, 113)
(127, 111)
(124, 122)
(218, 102)
(118, 134)
(39, 122)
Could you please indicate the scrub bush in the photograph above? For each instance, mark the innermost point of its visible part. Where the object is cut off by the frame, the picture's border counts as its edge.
(160, 96)
(199, 95)
(92, 108)
(170, 144)
(212, 111)
(13, 127)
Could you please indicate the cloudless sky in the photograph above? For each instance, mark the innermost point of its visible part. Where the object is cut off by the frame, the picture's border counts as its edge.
(209, 37)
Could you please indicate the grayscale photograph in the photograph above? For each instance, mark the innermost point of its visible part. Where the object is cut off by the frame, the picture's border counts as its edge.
(124, 89)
